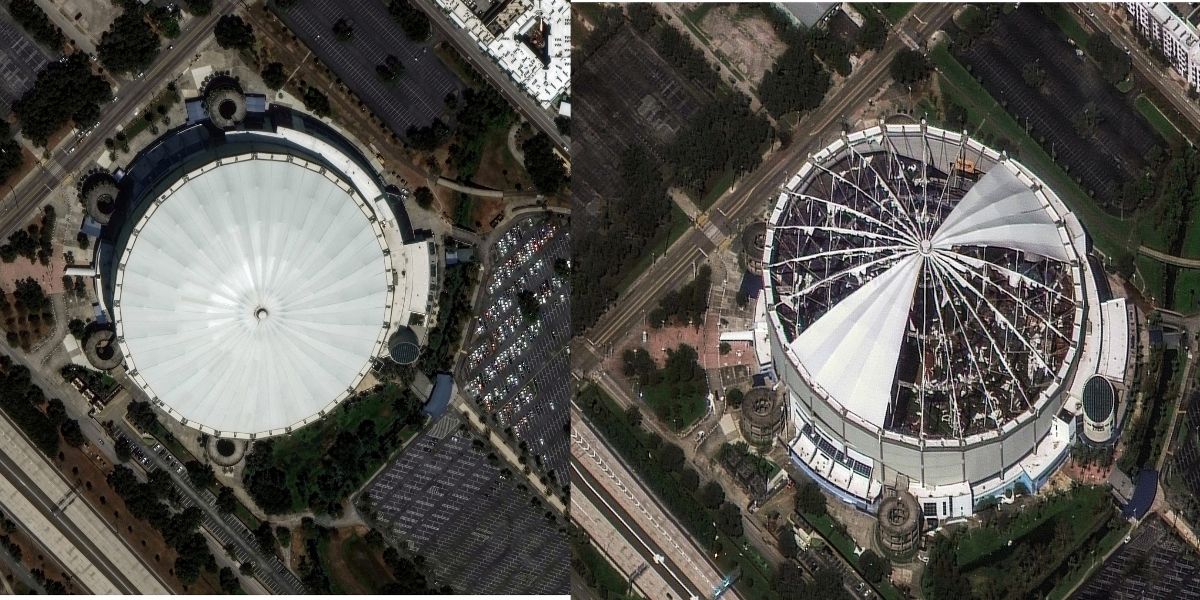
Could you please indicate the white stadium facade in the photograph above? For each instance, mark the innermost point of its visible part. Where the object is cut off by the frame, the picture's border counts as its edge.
(931, 310)
(256, 271)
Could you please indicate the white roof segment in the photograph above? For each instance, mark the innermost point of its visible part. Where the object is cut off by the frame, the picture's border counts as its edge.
(1001, 210)
(253, 295)
(851, 350)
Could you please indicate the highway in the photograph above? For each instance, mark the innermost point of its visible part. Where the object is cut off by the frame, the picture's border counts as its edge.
(750, 196)
(469, 49)
(636, 512)
(71, 156)
(16, 474)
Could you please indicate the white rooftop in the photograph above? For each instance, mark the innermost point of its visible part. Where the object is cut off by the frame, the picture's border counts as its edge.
(253, 294)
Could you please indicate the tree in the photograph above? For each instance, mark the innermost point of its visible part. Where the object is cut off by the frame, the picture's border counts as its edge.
(71, 433)
(231, 32)
(712, 495)
(733, 397)
(226, 500)
(1114, 63)
(689, 479)
(633, 414)
(724, 348)
(545, 168)
(390, 69)
(34, 20)
(874, 31)
(130, 45)
(77, 328)
(246, 568)
(284, 535)
(229, 581)
(563, 124)
(787, 543)
(200, 474)
(63, 90)
(424, 197)
(873, 566)
(1034, 75)
(909, 67)
(809, 499)
(198, 7)
(316, 101)
(729, 520)
(273, 75)
(265, 537)
(343, 29)
(670, 457)
(412, 20)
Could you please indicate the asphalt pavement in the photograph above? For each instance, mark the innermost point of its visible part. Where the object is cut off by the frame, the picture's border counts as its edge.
(72, 155)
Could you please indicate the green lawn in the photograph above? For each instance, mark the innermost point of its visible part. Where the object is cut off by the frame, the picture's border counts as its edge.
(989, 120)
(1153, 275)
(894, 11)
(1067, 23)
(1158, 120)
(679, 225)
(720, 186)
(1080, 502)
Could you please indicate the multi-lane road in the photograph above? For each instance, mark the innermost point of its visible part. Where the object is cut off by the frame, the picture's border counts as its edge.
(469, 49)
(70, 156)
(750, 196)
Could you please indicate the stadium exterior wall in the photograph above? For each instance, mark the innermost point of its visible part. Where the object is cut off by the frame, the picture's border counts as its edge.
(940, 464)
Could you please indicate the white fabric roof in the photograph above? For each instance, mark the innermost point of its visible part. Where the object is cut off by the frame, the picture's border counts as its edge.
(1001, 210)
(1114, 340)
(233, 239)
(864, 329)
(851, 351)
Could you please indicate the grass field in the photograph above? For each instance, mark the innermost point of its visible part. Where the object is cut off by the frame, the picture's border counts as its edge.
(1158, 120)
(1074, 506)
(679, 225)
(989, 120)
(720, 186)
(1067, 23)
(1153, 277)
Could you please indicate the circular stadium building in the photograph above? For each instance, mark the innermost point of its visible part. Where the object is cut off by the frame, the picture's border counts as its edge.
(929, 302)
(255, 275)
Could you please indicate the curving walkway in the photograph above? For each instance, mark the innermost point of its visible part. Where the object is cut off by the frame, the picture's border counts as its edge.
(1178, 261)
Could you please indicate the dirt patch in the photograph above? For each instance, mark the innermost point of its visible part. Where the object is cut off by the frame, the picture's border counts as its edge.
(744, 37)
(354, 565)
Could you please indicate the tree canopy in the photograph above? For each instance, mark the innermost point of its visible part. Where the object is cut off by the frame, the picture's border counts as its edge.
(274, 76)
(543, 165)
(130, 45)
(412, 20)
(233, 32)
(64, 90)
(909, 67)
(31, 17)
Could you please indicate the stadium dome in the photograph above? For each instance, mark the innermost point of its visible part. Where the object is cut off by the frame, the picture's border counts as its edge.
(252, 289)
(926, 308)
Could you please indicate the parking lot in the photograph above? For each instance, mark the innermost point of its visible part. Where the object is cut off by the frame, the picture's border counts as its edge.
(20, 60)
(1117, 148)
(1155, 563)
(416, 98)
(516, 370)
(479, 528)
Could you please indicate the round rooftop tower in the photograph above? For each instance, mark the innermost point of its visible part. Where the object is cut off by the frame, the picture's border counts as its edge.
(762, 416)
